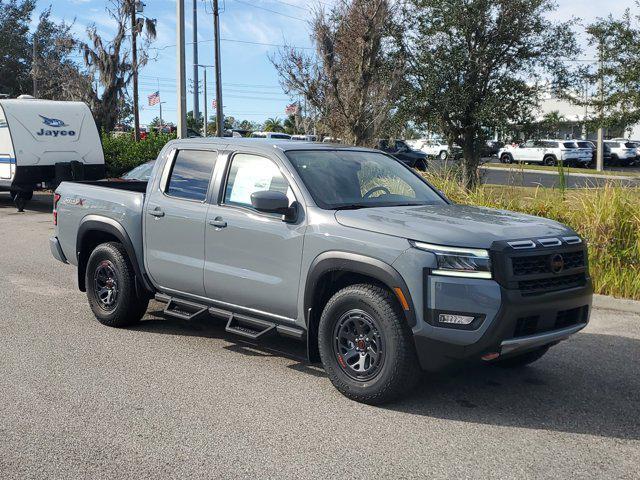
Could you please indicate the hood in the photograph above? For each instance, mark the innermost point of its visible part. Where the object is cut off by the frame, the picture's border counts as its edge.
(452, 225)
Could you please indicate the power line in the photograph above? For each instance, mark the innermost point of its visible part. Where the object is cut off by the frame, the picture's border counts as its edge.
(270, 10)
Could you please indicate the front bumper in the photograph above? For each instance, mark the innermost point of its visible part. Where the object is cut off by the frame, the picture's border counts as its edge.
(507, 326)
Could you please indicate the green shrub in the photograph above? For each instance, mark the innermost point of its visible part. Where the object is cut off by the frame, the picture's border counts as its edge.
(608, 218)
(122, 153)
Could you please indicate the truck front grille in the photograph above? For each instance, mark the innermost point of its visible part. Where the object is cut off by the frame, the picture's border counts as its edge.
(539, 264)
(550, 284)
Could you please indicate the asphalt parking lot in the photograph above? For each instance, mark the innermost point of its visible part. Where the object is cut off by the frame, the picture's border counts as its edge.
(172, 399)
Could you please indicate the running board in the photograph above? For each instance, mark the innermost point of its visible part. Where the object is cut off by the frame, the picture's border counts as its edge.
(185, 310)
(238, 324)
(248, 327)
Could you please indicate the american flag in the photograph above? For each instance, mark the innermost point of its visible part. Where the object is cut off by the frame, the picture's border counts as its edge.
(291, 109)
(154, 99)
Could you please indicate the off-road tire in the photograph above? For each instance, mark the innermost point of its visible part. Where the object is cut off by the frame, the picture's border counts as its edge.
(399, 371)
(128, 308)
(522, 360)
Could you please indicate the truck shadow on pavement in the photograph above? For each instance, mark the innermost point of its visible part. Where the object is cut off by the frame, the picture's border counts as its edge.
(274, 346)
(41, 202)
(589, 384)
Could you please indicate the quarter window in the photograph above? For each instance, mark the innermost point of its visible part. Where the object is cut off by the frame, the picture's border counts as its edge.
(190, 175)
(251, 173)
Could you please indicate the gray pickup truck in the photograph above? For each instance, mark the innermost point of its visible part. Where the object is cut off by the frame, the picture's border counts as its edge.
(344, 248)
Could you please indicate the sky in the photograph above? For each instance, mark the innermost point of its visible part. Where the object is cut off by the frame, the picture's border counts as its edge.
(250, 83)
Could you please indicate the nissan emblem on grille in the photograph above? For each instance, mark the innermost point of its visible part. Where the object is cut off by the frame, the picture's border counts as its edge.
(556, 263)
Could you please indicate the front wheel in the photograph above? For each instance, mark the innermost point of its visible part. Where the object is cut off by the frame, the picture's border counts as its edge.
(506, 158)
(111, 289)
(366, 345)
(443, 155)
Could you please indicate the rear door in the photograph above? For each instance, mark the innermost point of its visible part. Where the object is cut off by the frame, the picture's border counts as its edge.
(175, 216)
(252, 258)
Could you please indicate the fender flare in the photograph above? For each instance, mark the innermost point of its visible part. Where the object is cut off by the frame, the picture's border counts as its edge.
(97, 223)
(355, 263)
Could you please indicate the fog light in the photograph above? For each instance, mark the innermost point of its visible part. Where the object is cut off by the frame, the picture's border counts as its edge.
(455, 319)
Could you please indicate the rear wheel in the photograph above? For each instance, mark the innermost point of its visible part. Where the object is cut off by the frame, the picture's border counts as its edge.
(522, 359)
(549, 161)
(506, 158)
(443, 155)
(111, 290)
(366, 346)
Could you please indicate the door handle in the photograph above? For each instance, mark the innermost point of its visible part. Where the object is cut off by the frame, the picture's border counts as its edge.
(156, 212)
(218, 222)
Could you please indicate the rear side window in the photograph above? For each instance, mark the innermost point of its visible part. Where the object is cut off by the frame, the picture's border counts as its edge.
(190, 175)
(584, 145)
(630, 145)
(569, 145)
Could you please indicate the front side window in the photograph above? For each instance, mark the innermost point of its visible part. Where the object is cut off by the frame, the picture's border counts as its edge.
(339, 179)
(190, 175)
(252, 173)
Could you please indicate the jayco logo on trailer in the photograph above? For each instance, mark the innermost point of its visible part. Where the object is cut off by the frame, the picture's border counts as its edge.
(55, 123)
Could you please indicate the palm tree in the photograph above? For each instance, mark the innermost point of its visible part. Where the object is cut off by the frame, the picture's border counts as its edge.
(273, 125)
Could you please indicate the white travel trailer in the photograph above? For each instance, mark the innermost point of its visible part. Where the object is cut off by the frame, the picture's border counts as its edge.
(44, 142)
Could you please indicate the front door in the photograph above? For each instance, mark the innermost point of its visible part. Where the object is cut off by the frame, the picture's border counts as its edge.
(252, 259)
(175, 216)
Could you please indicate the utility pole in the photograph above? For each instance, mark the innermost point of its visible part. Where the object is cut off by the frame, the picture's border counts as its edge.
(134, 61)
(206, 121)
(182, 76)
(196, 83)
(216, 30)
(600, 155)
(34, 67)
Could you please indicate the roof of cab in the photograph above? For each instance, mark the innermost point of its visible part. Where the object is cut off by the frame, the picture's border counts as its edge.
(268, 144)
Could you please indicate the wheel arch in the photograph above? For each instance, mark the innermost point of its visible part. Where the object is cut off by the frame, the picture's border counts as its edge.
(95, 230)
(332, 271)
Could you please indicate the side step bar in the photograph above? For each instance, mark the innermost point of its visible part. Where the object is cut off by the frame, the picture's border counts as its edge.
(242, 325)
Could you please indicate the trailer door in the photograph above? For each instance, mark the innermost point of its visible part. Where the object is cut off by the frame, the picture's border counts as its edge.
(7, 157)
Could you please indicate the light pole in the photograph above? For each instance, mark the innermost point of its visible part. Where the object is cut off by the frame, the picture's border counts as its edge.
(181, 76)
(134, 62)
(196, 83)
(206, 100)
(216, 31)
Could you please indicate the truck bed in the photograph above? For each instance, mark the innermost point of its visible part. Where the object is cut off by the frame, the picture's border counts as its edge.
(130, 186)
(120, 202)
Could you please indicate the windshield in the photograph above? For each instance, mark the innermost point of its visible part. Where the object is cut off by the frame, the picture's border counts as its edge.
(341, 179)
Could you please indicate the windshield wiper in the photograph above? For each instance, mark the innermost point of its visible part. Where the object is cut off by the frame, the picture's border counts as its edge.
(352, 206)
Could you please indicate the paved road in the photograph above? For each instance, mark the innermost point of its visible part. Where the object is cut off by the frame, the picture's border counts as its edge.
(171, 399)
(534, 179)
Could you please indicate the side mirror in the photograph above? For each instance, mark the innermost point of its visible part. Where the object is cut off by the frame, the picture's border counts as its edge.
(269, 201)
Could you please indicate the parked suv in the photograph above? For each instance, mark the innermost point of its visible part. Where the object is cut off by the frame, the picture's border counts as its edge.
(623, 152)
(344, 248)
(439, 149)
(547, 152)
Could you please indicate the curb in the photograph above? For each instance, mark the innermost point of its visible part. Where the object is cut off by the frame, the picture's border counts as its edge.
(605, 302)
(572, 174)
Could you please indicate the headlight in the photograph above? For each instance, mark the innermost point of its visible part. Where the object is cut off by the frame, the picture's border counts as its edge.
(459, 262)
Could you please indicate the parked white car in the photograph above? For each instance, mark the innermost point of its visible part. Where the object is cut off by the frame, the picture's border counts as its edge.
(435, 148)
(623, 152)
(547, 152)
(272, 135)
